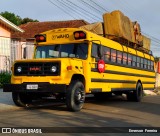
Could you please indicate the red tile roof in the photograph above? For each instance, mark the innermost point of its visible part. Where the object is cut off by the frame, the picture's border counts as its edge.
(33, 28)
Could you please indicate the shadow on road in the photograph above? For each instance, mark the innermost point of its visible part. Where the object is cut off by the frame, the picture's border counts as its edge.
(112, 112)
(149, 104)
(115, 111)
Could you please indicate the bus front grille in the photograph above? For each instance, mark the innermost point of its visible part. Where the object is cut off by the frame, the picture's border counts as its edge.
(37, 69)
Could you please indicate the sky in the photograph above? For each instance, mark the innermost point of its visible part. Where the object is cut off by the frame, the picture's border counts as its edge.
(146, 12)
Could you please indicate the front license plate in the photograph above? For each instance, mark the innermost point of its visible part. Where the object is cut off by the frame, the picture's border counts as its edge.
(32, 87)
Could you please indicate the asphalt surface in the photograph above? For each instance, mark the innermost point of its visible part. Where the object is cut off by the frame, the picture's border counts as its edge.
(113, 112)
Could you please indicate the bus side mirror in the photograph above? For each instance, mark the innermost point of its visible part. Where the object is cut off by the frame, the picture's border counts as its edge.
(100, 51)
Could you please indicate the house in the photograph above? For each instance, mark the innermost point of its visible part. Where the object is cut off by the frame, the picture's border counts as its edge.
(157, 70)
(25, 41)
(6, 28)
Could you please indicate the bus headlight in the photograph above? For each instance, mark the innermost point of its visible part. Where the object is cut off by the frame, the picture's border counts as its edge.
(19, 69)
(53, 69)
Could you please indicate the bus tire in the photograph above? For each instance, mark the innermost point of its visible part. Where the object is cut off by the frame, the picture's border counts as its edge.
(75, 96)
(20, 99)
(136, 95)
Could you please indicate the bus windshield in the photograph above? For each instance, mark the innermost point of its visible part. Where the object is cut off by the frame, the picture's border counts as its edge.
(73, 50)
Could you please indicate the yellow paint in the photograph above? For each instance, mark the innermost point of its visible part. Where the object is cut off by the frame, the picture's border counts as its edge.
(83, 67)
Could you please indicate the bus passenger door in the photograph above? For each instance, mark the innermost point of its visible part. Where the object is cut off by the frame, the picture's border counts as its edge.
(96, 76)
(95, 55)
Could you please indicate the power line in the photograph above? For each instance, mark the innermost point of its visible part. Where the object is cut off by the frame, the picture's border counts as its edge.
(69, 8)
(92, 7)
(99, 6)
(80, 10)
(155, 39)
(84, 3)
(142, 18)
(61, 9)
(128, 9)
(84, 12)
(132, 11)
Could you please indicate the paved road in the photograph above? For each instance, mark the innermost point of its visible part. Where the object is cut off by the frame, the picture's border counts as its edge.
(115, 112)
(6, 102)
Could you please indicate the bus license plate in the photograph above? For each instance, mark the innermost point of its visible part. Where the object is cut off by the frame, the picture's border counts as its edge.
(32, 87)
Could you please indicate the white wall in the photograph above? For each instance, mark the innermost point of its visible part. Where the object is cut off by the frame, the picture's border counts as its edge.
(5, 54)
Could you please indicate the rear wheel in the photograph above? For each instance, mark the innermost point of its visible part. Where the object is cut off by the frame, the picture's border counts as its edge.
(75, 96)
(136, 95)
(21, 99)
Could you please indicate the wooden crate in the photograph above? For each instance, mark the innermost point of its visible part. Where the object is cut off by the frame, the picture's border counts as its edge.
(146, 42)
(116, 23)
(95, 28)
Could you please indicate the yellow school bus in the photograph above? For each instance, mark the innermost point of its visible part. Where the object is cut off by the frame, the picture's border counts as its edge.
(69, 63)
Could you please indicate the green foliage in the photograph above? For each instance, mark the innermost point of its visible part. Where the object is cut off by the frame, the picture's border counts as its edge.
(4, 78)
(15, 19)
(26, 20)
(11, 17)
(156, 59)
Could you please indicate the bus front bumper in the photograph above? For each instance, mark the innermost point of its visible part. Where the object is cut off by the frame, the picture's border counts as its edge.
(35, 87)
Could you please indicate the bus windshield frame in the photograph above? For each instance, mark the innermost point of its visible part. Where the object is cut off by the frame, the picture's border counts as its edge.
(71, 50)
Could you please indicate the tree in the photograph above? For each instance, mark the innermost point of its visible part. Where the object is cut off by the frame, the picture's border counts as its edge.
(11, 17)
(26, 20)
(15, 19)
(156, 59)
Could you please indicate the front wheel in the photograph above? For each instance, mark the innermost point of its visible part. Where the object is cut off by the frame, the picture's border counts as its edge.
(21, 99)
(75, 96)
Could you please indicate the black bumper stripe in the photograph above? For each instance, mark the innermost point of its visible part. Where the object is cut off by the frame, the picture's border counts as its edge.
(42, 87)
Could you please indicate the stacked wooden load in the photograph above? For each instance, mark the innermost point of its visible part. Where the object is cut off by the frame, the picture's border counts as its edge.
(95, 28)
(115, 25)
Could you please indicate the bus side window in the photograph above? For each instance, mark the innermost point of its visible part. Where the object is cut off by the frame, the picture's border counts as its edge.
(152, 65)
(149, 64)
(124, 58)
(107, 53)
(129, 59)
(119, 57)
(138, 62)
(145, 63)
(134, 61)
(142, 63)
(113, 55)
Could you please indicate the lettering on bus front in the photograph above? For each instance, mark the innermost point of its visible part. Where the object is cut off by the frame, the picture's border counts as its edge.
(60, 36)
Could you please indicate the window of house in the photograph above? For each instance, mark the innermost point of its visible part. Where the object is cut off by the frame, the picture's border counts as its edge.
(4, 46)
